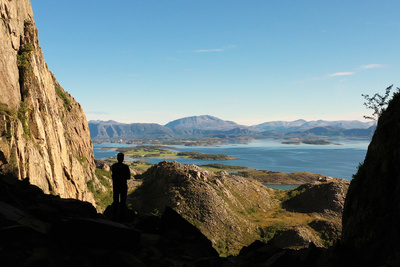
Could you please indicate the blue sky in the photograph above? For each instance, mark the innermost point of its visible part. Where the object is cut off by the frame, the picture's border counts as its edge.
(248, 61)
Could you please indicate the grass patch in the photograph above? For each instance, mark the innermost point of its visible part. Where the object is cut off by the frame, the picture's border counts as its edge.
(147, 152)
(63, 96)
(81, 159)
(23, 118)
(102, 198)
(223, 167)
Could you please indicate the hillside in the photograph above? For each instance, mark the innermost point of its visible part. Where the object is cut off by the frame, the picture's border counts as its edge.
(116, 130)
(233, 211)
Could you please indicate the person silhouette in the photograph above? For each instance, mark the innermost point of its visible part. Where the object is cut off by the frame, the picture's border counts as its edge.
(120, 175)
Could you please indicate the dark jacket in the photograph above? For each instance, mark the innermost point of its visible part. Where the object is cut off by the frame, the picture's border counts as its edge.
(120, 173)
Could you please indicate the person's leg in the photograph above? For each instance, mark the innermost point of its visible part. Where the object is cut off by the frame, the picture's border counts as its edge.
(116, 204)
(124, 192)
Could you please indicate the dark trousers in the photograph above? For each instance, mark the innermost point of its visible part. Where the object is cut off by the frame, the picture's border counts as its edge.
(119, 196)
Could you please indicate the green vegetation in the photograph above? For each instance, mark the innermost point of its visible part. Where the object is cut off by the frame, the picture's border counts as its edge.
(272, 177)
(377, 103)
(156, 151)
(326, 239)
(223, 167)
(202, 156)
(82, 159)
(310, 142)
(103, 198)
(23, 60)
(293, 193)
(23, 118)
(146, 152)
(267, 233)
(63, 96)
(22, 114)
(4, 110)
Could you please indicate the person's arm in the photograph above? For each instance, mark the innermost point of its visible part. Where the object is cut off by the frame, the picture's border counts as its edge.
(128, 173)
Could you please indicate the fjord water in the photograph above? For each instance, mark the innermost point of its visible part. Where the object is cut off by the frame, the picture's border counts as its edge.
(339, 161)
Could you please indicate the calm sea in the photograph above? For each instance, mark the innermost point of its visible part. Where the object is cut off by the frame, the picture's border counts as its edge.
(339, 161)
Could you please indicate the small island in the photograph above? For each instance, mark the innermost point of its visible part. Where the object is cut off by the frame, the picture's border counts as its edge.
(155, 151)
(202, 156)
(310, 142)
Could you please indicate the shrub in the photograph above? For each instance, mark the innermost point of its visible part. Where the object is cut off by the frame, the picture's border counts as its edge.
(23, 60)
(103, 199)
(63, 96)
(23, 118)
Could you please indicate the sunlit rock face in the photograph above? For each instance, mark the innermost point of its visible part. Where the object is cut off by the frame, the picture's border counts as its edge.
(43, 130)
(371, 215)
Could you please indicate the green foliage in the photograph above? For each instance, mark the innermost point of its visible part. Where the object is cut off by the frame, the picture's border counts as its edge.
(100, 174)
(156, 212)
(23, 118)
(61, 94)
(202, 156)
(222, 248)
(293, 193)
(4, 109)
(23, 60)
(279, 213)
(326, 239)
(82, 159)
(103, 199)
(377, 103)
(252, 210)
(268, 233)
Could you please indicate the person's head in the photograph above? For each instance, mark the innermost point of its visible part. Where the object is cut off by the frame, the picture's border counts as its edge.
(120, 157)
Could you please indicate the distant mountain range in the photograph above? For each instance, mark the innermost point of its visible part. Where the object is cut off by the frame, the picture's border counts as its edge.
(206, 126)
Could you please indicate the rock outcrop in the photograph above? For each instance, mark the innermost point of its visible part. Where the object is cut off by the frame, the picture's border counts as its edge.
(44, 134)
(371, 214)
(233, 211)
(218, 204)
(322, 197)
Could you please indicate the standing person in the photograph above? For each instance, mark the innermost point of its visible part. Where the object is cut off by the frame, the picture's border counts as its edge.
(120, 175)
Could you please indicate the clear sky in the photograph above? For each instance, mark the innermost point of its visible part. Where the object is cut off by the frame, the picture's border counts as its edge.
(248, 61)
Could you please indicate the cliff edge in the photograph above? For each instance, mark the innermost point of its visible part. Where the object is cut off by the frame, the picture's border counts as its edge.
(44, 134)
(371, 213)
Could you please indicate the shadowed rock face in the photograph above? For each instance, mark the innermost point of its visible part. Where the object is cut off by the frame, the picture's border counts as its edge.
(371, 215)
(46, 230)
(324, 197)
(44, 134)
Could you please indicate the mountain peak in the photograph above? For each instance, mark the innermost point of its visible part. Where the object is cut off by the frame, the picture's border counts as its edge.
(203, 122)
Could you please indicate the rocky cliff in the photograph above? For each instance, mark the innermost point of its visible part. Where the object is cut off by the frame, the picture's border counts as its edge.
(371, 215)
(43, 130)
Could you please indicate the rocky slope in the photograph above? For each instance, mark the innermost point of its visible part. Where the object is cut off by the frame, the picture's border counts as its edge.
(233, 211)
(44, 134)
(371, 215)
